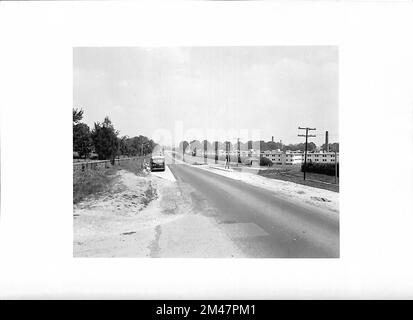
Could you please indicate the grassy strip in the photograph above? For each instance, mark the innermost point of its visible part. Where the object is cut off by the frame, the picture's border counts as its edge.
(88, 182)
(321, 168)
(316, 180)
(132, 166)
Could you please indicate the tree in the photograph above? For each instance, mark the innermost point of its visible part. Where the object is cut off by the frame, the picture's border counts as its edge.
(195, 144)
(300, 147)
(142, 145)
(150, 146)
(123, 147)
(82, 141)
(77, 115)
(332, 147)
(265, 162)
(134, 146)
(183, 145)
(263, 145)
(249, 144)
(105, 140)
(228, 146)
(271, 145)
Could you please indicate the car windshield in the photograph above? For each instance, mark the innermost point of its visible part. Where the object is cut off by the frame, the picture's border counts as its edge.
(158, 160)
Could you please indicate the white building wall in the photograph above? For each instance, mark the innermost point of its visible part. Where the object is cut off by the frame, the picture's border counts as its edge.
(279, 157)
(322, 157)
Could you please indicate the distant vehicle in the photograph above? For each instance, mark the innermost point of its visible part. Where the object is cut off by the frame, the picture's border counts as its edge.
(157, 163)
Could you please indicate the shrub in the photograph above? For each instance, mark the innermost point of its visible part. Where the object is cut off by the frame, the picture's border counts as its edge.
(323, 168)
(265, 162)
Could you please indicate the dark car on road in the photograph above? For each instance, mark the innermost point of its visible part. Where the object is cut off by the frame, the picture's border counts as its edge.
(157, 163)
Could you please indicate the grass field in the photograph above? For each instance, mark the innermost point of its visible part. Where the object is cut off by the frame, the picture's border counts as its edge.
(293, 173)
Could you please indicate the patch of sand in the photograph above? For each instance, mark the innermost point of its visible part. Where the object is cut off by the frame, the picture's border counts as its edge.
(121, 222)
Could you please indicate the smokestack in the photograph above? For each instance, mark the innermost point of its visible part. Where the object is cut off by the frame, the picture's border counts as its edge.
(272, 138)
(327, 148)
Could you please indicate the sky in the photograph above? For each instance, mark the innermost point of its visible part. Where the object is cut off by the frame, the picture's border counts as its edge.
(175, 93)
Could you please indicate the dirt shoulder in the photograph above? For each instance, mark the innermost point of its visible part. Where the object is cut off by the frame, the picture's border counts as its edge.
(150, 215)
(121, 221)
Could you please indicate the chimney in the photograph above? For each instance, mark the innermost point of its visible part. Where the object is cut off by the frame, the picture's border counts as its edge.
(327, 148)
(272, 138)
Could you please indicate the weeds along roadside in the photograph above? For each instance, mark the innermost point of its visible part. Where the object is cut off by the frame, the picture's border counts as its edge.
(90, 182)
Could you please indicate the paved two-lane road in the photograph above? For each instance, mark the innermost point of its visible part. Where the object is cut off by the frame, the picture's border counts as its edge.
(259, 222)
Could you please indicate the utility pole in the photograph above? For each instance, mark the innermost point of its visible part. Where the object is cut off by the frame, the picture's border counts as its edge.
(306, 143)
(228, 157)
(205, 151)
(239, 153)
(216, 152)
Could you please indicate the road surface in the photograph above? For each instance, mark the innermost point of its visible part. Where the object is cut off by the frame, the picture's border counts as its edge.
(260, 223)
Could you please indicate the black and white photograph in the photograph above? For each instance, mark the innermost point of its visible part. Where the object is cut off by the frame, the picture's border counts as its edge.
(206, 152)
(227, 151)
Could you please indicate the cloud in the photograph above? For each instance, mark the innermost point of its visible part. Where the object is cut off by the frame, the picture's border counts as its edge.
(273, 88)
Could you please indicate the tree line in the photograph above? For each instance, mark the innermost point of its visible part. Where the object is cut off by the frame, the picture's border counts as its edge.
(104, 140)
